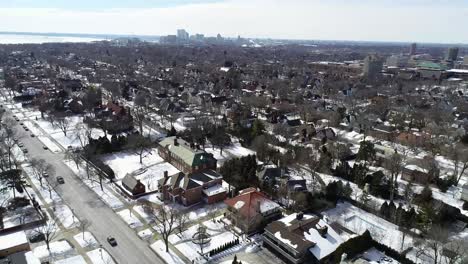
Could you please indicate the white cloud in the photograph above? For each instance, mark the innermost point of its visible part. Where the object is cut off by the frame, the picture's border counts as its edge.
(299, 19)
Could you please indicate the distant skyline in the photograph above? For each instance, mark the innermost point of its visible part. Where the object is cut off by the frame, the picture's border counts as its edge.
(436, 21)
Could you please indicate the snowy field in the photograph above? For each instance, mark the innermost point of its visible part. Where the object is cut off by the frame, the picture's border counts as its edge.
(123, 163)
(233, 151)
(359, 221)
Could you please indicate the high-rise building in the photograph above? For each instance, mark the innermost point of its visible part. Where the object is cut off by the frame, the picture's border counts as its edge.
(452, 54)
(373, 66)
(413, 48)
(219, 37)
(182, 34)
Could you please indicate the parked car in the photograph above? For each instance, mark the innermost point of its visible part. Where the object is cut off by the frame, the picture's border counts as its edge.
(36, 237)
(45, 174)
(112, 241)
(20, 145)
(45, 147)
(60, 180)
(32, 135)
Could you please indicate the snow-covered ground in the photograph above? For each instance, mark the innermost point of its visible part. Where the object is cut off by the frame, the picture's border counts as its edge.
(58, 249)
(65, 215)
(49, 144)
(100, 256)
(130, 218)
(123, 163)
(235, 150)
(358, 221)
(374, 256)
(48, 195)
(216, 231)
(85, 239)
(72, 260)
(106, 195)
(170, 257)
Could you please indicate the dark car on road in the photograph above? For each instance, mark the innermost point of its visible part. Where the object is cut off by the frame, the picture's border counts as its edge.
(60, 180)
(112, 241)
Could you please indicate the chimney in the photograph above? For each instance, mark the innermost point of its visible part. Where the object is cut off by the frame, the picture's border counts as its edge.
(322, 230)
(299, 216)
(166, 174)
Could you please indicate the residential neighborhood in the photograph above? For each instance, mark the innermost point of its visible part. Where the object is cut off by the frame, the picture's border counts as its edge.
(222, 151)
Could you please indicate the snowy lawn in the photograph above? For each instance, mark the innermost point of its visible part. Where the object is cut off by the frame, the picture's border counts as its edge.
(72, 260)
(123, 163)
(57, 249)
(217, 234)
(65, 215)
(85, 240)
(100, 256)
(130, 218)
(170, 257)
(359, 221)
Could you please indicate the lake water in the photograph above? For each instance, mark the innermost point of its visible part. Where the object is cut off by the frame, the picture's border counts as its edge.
(38, 39)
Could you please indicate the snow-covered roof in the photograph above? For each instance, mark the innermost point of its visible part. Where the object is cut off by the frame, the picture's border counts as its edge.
(13, 240)
(213, 190)
(306, 232)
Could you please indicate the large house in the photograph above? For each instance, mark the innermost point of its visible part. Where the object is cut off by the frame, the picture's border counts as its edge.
(251, 210)
(301, 238)
(185, 156)
(464, 195)
(194, 188)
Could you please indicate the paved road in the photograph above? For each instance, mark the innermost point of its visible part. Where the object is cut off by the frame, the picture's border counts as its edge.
(87, 205)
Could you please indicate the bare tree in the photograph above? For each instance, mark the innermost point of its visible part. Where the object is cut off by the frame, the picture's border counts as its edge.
(39, 168)
(459, 154)
(165, 219)
(140, 110)
(62, 123)
(140, 145)
(181, 222)
(73, 156)
(455, 251)
(8, 136)
(49, 230)
(433, 245)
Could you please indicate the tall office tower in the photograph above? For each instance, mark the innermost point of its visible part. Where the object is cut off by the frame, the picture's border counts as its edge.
(182, 34)
(452, 54)
(413, 48)
(373, 66)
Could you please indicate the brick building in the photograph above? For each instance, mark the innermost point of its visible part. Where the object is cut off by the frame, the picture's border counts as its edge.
(184, 156)
(189, 189)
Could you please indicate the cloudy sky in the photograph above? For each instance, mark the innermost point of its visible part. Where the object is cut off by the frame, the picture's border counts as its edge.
(379, 20)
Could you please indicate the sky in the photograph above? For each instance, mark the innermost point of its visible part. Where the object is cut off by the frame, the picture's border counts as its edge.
(435, 21)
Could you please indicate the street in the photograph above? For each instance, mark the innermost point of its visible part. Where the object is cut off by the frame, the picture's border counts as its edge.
(87, 205)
